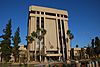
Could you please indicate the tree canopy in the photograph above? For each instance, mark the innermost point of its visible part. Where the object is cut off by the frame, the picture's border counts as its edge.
(6, 42)
(6, 49)
(16, 40)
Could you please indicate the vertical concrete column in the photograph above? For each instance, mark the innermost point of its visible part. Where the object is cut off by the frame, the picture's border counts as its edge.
(77, 64)
(35, 43)
(57, 35)
(90, 64)
(87, 65)
(67, 42)
(93, 64)
(33, 28)
(29, 26)
(29, 33)
(62, 38)
(40, 41)
(45, 59)
(97, 65)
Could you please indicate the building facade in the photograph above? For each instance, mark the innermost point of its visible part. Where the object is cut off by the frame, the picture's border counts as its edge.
(78, 53)
(53, 45)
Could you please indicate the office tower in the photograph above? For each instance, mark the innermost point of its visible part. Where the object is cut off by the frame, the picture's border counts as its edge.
(55, 45)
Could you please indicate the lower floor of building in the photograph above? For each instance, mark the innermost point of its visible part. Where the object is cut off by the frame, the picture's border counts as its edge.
(48, 56)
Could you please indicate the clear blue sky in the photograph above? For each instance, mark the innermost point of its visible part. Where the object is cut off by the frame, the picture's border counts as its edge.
(84, 17)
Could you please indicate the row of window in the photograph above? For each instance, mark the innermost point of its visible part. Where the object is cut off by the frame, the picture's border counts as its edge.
(47, 13)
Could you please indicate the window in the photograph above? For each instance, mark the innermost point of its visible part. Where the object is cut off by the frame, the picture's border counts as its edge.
(42, 22)
(32, 12)
(42, 12)
(61, 15)
(65, 16)
(38, 24)
(57, 15)
(51, 14)
(38, 12)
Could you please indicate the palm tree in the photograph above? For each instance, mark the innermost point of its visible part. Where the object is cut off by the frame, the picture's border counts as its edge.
(37, 35)
(70, 37)
(29, 39)
(40, 37)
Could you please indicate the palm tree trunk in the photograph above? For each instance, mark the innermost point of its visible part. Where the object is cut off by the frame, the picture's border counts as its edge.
(35, 49)
(40, 49)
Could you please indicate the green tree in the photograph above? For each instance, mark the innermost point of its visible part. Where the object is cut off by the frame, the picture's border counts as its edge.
(92, 43)
(92, 48)
(97, 41)
(16, 40)
(77, 46)
(97, 46)
(6, 42)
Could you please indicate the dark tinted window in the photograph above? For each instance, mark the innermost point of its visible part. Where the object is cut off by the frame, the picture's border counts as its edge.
(51, 14)
(57, 15)
(42, 22)
(38, 22)
(65, 16)
(32, 12)
(38, 12)
(61, 15)
(42, 12)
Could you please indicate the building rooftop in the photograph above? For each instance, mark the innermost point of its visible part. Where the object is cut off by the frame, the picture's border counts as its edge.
(46, 9)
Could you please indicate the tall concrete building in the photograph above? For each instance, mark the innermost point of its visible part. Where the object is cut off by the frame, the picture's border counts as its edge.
(55, 45)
